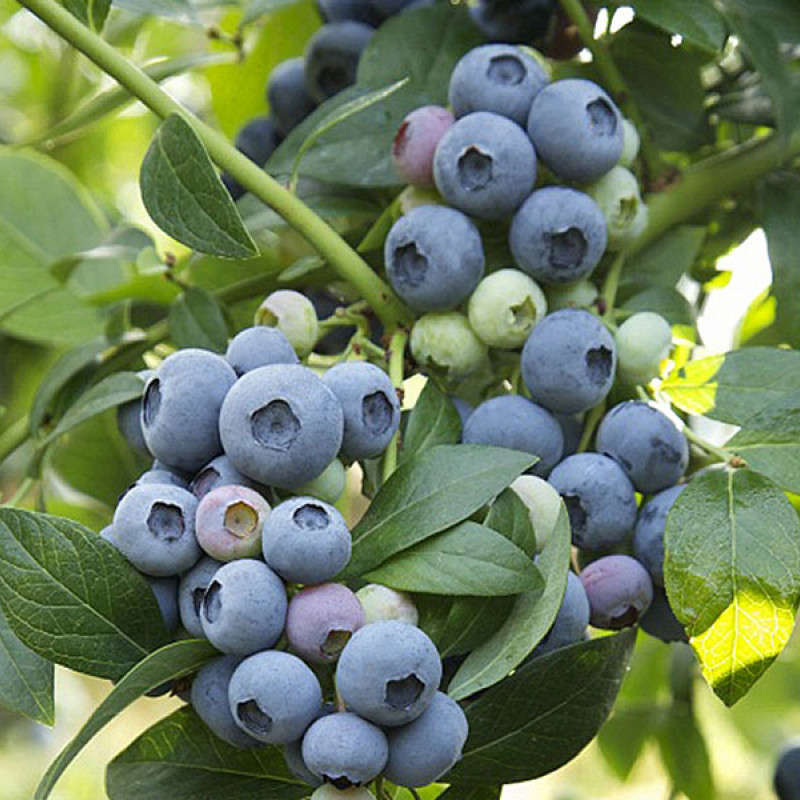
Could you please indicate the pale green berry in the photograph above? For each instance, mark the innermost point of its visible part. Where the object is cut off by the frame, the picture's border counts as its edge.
(413, 196)
(505, 307)
(329, 486)
(329, 792)
(444, 342)
(543, 503)
(643, 342)
(617, 194)
(293, 315)
(382, 603)
(580, 294)
(630, 143)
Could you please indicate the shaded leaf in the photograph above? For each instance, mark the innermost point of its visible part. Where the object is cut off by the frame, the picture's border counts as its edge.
(196, 319)
(510, 516)
(698, 21)
(622, 738)
(90, 12)
(433, 420)
(685, 755)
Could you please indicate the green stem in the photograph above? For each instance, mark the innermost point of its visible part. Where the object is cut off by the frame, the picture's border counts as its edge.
(611, 285)
(396, 353)
(590, 423)
(13, 437)
(720, 452)
(19, 495)
(343, 258)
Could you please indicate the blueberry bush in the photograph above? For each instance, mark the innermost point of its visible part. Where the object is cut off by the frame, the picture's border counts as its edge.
(376, 424)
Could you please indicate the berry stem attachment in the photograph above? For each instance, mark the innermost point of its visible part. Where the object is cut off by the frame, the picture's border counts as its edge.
(396, 353)
(611, 285)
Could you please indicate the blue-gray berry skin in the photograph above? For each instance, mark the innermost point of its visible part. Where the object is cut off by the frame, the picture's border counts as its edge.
(354, 10)
(571, 621)
(129, 419)
(660, 621)
(619, 591)
(287, 96)
(515, 422)
(389, 8)
(244, 607)
(281, 425)
(485, 165)
(427, 748)
(645, 443)
(787, 775)
(209, 698)
(274, 697)
(600, 500)
(306, 540)
(293, 756)
(388, 672)
(345, 750)
(572, 428)
(558, 235)
(180, 408)
(522, 21)
(648, 537)
(107, 533)
(154, 529)
(499, 78)
(332, 56)
(219, 472)
(569, 361)
(257, 140)
(191, 590)
(370, 405)
(576, 129)
(434, 258)
(166, 594)
(259, 346)
(464, 409)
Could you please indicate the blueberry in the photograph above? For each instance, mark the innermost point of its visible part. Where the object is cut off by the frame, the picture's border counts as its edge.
(521, 21)
(660, 621)
(581, 294)
(329, 792)
(191, 591)
(787, 775)
(229, 522)
(643, 341)
(355, 10)
(219, 472)
(320, 621)
(388, 672)
(154, 529)
(515, 422)
(485, 165)
(648, 538)
(444, 343)
(163, 477)
(505, 307)
(572, 428)
(558, 235)
(576, 129)
(257, 140)
(329, 486)
(571, 621)
(209, 698)
(463, 407)
(646, 444)
(600, 500)
(345, 749)
(180, 408)
(129, 419)
(107, 533)
(281, 425)
(306, 540)
(382, 603)
(332, 56)
(543, 503)
(293, 314)
(257, 347)
(288, 99)
(619, 591)
(274, 697)
(388, 8)
(244, 607)
(370, 405)
(499, 78)
(427, 748)
(630, 143)
(415, 143)
(166, 594)
(618, 198)
(434, 258)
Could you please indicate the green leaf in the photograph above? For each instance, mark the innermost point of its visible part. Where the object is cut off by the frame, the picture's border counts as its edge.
(509, 515)
(698, 21)
(527, 624)
(172, 661)
(184, 195)
(430, 493)
(90, 12)
(433, 420)
(301, 268)
(544, 714)
(670, 303)
(622, 738)
(60, 580)
(196, 319)
(472, 793)
(469, 559)
(179, 758)
(732, 572)
(257, 8)
(684, 753)
(26, 679)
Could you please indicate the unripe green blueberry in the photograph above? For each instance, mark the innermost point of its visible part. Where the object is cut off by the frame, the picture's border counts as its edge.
(580, 294)
(413, 196)
(329, 792)
(381, 602)
(630, 143)
(293, 315)
(617, 193)
(444, 342)
(504, 308)
(643, 342)
(543, 503)
(329, 486)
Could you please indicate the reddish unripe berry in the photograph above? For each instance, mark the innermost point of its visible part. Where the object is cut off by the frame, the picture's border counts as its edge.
(415, 143)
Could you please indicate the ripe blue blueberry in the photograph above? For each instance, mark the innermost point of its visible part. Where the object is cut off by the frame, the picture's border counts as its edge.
(646, 444)
(648, 538)
(154, 529)
(464, 409)
(306, 540)
(522, 21)
(274, 697)
(388, 8)
(129, 419)
(558, 235)
(569, 361)
(244, 607)
(619, 591)
(329, 792)
(345, 749)
(427, 748)
(164, 477)
(219, 472)
(287, 96)
(388, 672)
(257, 347)
(600, 500)
(191, 590)
(257, 140)
(571, 621)
(332, 56)
(515, 422)
(499, 78)
(355, 10)
(370, 405)
(415, 143)
(434, 257)
(180, 408)
(229, 522)
(485, 165)
(281, 425)
(787, 775)
(576, 129)
(166, 594)
(660, 621)
(572, 428)
(293, 754)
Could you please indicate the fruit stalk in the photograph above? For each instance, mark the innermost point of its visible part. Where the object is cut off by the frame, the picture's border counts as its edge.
(397, 349)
